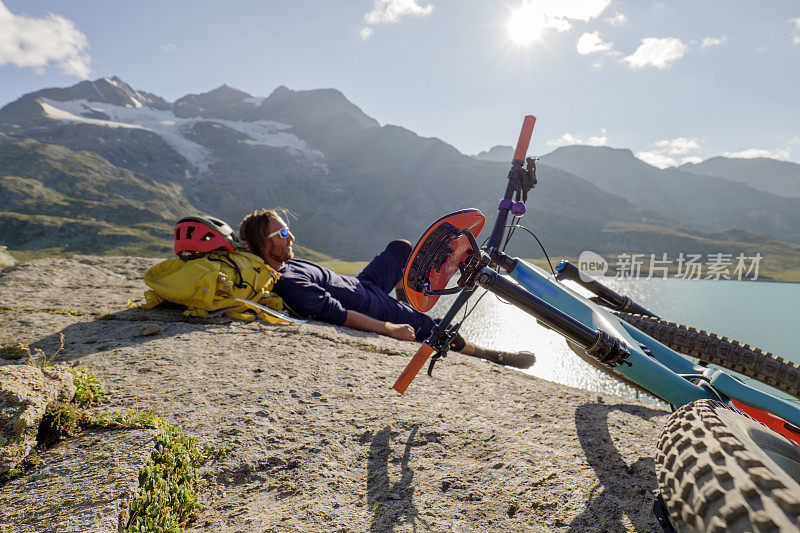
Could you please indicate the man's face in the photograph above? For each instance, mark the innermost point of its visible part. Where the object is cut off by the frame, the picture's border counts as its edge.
(279, 249)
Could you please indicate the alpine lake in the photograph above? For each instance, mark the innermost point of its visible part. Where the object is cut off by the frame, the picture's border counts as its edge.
(761, 314)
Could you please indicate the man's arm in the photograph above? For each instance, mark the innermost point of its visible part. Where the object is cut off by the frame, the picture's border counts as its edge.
(309, 299)
(357, 320)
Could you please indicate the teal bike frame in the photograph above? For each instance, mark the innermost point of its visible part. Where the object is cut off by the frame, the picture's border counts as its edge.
(662, 371)
(620, 347)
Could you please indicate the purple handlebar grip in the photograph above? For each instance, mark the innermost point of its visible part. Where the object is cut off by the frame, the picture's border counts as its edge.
(505, 203)
(518, 209)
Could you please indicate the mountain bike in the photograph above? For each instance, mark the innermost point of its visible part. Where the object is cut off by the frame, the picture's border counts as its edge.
(728, 458)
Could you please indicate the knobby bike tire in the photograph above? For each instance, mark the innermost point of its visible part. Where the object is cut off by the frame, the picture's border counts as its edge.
(720, 470)
(727, 353)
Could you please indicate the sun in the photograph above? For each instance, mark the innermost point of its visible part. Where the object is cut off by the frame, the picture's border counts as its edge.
(526, 24)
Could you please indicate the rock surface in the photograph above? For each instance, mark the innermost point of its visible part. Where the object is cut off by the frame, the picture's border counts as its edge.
(82, 484)
(25, 393)
(6, 259)
(320, 441)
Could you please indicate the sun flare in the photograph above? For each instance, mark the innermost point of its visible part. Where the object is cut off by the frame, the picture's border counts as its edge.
(525, 25)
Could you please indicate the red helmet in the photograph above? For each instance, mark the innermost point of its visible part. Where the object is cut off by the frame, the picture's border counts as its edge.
(204, 234)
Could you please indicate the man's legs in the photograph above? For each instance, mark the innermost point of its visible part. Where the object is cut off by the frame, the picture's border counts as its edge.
(385, 272)
(386, 269)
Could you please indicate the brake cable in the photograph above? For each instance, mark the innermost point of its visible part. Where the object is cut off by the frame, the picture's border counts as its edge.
(540, 246)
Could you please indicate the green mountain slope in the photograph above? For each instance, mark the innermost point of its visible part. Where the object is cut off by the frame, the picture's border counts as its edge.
(55, 198)
(779, 260)
(105, 175)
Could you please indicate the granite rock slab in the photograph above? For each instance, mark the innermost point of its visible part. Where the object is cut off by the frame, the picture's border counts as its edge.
(25, 393)
(84, 484)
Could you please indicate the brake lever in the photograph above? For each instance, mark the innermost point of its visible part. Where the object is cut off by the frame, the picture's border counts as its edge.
(442, 345)
(435, 357)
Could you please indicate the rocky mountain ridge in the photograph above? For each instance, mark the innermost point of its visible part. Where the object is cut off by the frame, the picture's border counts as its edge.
(227, 152)
(707, 203)
(781, 178)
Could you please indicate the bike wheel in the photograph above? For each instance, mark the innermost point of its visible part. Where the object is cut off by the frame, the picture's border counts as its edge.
(720, 470)
(709, 348)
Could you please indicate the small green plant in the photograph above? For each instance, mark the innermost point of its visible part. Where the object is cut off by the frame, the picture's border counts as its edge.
(89, 391)
(33, 459)
(65, 311)
(215, 453)
(30, 461)
(60, 421)
(126, 420)
(11, 473)
(169, 485)
(38, 358)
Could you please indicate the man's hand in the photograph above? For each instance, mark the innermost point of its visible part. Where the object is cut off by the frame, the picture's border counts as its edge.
(357, 320)
(403, 332)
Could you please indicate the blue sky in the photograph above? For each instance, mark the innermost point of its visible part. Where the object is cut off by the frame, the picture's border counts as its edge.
(674, 81)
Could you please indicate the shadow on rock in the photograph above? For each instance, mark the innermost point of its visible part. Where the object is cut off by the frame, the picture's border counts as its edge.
(619, 483)
(389, 502)
(129, 327)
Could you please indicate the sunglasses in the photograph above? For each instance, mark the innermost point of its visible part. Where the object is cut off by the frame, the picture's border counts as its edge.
(283, 232)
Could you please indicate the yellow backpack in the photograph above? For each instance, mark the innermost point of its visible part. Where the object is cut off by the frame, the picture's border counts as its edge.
(211, 281)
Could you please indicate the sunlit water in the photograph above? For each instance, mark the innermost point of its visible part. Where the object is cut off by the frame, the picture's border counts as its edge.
(759, 313)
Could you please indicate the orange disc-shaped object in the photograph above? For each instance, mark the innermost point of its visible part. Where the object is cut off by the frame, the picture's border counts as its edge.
(438, 254)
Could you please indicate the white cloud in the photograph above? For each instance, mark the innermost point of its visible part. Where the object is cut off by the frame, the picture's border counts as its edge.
(390, 12)
(590, 43)
(751, 153)
(655, 52)
(598, 140)
(712, 41)
(618, 19)
(795, 38)
(568, 139)
(169, 47)
(38, 42)
(671, 152)
(583, 10)
(679, 146)
(674, 152)
(537, 15)
(657, 159)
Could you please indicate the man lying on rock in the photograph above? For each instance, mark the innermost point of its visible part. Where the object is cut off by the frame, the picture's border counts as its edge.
(360, 302)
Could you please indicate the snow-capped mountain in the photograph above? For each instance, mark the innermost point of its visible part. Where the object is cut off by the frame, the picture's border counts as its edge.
(227, 149)
(353, 183)
(108, 106)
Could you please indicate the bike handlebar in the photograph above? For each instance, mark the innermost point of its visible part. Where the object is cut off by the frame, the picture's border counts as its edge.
(413, 368)
(524, 138)
(608, 297)
(516, 167)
